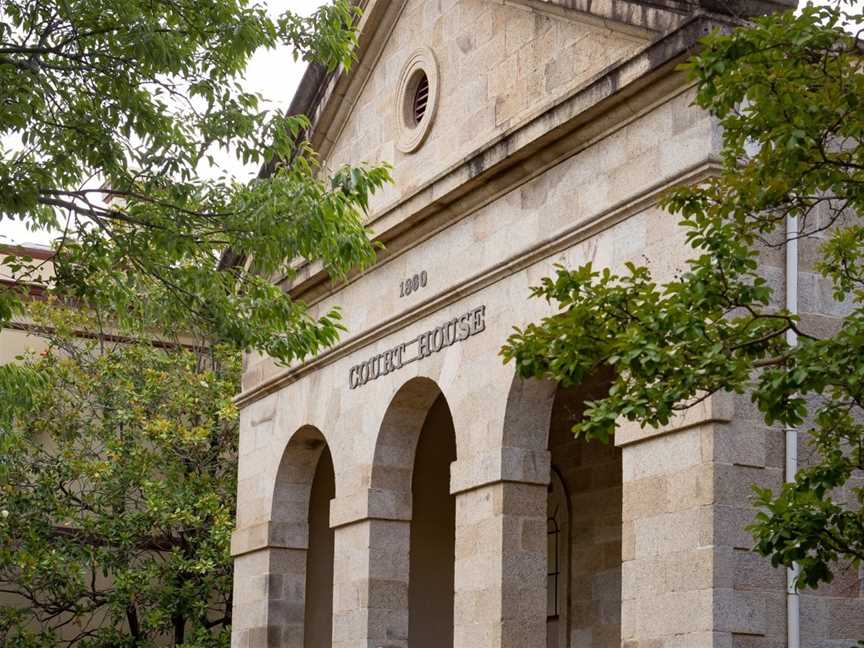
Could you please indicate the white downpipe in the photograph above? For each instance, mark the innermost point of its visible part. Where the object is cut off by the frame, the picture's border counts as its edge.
(793, 601)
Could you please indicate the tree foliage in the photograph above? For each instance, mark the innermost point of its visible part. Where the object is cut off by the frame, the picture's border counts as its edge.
(109, 115)
(789, 94)
(117, 491)
(117, 462)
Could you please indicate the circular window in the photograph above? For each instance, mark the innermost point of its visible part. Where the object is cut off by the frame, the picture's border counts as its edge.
(417, 99)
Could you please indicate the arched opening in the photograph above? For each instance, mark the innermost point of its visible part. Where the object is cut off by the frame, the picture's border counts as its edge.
(433, 529)
(301, 572)
(413, 521)
(318, 611)
(585, 504)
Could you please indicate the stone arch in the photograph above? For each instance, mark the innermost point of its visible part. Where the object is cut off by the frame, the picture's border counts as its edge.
(410, 493)
(538, 419)
(396, 444)
(290, 506)
(591, 475)
(528, 414)
(301, 542)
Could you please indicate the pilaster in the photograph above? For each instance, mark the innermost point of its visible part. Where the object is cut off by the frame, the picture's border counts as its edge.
(500, 598)
(688, 575)
(269, 598)
(370, 588)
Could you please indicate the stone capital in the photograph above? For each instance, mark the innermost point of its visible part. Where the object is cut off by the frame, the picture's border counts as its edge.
(717, 408)
(520, 465)
(269, 535)
(370, 504)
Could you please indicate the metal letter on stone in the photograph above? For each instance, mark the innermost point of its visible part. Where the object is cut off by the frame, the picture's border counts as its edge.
(432, 341)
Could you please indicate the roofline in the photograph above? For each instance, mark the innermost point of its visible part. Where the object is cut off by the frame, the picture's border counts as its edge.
(28, 250)
(309, 91)
(317, 87)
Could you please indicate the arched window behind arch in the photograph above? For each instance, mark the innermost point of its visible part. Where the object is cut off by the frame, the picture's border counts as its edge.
(553, 573)
(558, 563)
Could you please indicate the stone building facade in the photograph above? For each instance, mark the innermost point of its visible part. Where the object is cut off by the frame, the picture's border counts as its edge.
(404, 488)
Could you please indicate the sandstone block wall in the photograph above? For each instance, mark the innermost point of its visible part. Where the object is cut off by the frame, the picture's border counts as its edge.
(659, 555)
(498, 64)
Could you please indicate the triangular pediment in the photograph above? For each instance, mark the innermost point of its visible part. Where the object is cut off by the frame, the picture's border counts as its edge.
(498, 64)
(328, 99)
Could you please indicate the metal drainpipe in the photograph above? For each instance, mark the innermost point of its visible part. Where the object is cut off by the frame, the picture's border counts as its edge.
(793, 601)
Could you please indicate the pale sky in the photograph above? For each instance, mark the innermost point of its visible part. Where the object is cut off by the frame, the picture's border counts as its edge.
(273, 74)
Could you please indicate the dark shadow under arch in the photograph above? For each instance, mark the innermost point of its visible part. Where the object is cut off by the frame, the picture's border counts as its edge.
(318, 611)
(433, 533)
(590, 473)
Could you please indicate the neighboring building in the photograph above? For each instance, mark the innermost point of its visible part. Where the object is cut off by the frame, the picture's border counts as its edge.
(21, 336)
(404, 488)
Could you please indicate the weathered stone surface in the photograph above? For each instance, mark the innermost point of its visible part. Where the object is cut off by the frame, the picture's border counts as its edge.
(557, 128)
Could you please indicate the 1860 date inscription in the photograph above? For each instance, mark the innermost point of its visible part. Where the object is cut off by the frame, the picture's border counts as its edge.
(413, 284)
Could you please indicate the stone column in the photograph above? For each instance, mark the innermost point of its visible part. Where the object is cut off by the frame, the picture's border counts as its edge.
(269, 591)
(688, 577)
(370, 589)
(667, 542)
(500, 598)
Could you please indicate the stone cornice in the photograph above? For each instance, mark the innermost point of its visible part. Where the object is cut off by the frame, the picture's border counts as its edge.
(267, 535)
(550, 246)
(718, 408)
(625, 16)
(337, 95)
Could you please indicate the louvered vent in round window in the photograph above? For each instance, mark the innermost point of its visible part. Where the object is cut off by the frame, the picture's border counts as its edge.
(421, 99)
(416, 99)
